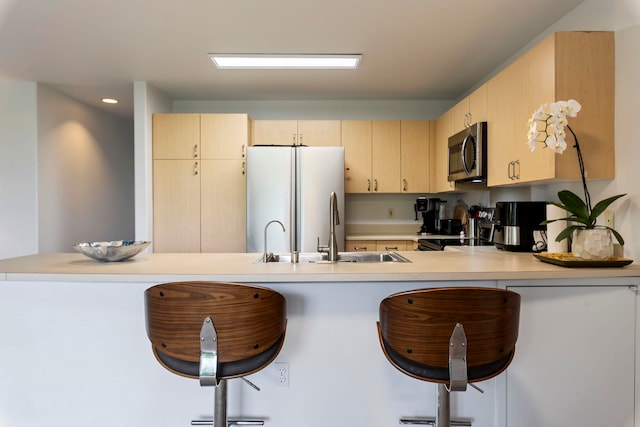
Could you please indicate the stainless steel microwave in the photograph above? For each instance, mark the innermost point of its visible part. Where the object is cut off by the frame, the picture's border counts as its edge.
(468, 154)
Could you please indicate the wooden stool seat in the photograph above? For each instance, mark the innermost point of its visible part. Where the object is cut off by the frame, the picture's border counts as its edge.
(416, 333)
(249, 324)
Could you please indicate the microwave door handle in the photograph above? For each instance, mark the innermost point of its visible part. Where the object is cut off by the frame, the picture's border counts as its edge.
(463, 152)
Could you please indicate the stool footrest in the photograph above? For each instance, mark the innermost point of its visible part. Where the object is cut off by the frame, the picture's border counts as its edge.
(431, 421)
(231, 422)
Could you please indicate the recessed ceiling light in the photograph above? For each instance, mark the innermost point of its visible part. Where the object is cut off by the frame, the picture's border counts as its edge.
(109, 101)
(285, 61)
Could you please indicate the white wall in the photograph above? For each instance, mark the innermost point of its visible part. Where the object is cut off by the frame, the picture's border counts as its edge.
(85, 173)
(18, 169)
(147, 100)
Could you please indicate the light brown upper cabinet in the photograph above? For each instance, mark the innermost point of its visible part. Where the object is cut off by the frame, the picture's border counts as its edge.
(440, 153)
(471, 109)
(199, 202)
(566, 65)
(314, 133)
(387, 156)
(372, 156)
(415, 155)
(356, 140)
(176, 136)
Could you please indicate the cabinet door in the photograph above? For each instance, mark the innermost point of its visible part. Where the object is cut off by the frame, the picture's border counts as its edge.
(391, 245)
(360, 245)
(385, 152)
(319, 133)
(574, 362)
(275, 132)
(356, 140)
(176, 136)
(224, 136)
(415, 155)
(176, 205)
(460, 115)
(224, 218)
(506, 130)
(440, 149)
(478, 108)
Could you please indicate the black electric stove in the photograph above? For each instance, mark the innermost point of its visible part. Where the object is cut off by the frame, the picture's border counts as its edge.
(439, 243)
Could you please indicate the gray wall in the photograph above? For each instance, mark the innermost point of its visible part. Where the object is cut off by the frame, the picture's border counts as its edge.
(18, 169)
(85, 173)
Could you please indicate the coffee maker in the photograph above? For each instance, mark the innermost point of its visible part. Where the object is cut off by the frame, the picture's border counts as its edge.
(429, 208)
(516, 226)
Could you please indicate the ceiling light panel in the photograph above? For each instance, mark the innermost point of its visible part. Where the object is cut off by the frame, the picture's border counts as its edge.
(305, 62)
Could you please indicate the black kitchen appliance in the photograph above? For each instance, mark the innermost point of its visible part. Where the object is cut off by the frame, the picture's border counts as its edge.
(516, 226)
(429, 208)
(468, 154)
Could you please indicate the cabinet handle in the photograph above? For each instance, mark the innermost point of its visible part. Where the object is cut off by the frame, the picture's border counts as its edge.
(404, 185)
(244, 150)
(195, 168)
(360, 248)
(510, 170)
(470, 120)
(244, 168)
(300, 139)
(368, 185)
(195, 150)
(516, 175)
(293, 139)
(390, 248)
(375, 184)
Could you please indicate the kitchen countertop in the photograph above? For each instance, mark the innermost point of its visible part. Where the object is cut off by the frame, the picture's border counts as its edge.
(453, 264)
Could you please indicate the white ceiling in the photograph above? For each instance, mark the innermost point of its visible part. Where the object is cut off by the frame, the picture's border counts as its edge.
(412, 49)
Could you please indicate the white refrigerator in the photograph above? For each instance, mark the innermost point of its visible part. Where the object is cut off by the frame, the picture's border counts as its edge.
(293, 184)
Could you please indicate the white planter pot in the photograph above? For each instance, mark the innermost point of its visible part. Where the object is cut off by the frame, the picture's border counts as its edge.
(594, 244)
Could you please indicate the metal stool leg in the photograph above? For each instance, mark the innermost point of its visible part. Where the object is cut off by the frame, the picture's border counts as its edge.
(443, 417)
(220, 405)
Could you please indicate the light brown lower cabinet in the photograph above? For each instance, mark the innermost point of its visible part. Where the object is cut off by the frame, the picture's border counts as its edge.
(199, 206)
(378, 245)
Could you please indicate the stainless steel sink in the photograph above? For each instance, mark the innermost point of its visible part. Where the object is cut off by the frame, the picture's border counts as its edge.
(342, 257)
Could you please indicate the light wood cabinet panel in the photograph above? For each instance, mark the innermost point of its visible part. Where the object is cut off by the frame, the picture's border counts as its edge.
(224, 136)
(471, 109)
(176, 136)
(356, 140)
(314, 133)
(200, 204)
(223, 204)
(385, 156)
(176, 205)
(391, 245)
(566, 65)
(275, 132)
(319, 133)
(415, 156)
(360, 245)
(440, 154)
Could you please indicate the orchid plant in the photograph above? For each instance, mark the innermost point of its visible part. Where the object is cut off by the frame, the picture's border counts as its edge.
(547, 129)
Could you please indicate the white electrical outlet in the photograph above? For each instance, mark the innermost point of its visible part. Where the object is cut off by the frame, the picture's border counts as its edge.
(609, 219)
(281, 374)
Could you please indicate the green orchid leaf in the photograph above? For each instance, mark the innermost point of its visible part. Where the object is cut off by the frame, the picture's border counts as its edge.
(567, 232)
(602, 205)
(617, 236)
(573, 204)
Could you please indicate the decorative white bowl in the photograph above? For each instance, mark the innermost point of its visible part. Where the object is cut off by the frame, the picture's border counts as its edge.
(117, 250)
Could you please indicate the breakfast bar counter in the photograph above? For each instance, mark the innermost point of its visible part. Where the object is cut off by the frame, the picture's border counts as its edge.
(75, 350)
(458, 263)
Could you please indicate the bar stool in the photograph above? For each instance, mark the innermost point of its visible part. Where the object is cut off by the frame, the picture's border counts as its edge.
(449, 336)
(215, 331)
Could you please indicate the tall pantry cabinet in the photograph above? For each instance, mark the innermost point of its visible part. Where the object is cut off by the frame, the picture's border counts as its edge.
(199, 182)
